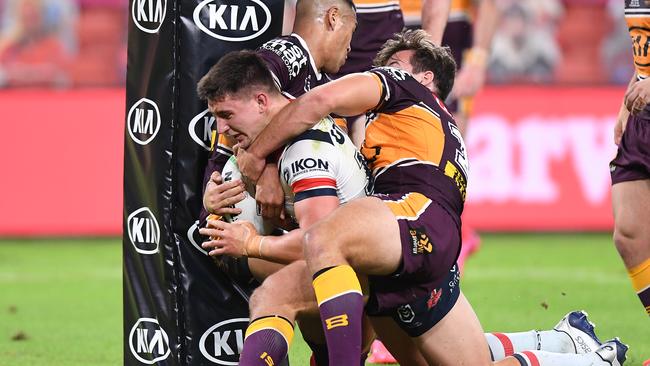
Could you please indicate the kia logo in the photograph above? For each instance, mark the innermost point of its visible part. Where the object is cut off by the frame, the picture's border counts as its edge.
(148, 15)
(234, 21)
(223, 342)
(143, 231)
(201, 129)
(143, 121)
(148, 342)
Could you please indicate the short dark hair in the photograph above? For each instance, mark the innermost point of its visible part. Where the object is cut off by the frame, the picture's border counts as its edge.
(426, 57)
(237, 72)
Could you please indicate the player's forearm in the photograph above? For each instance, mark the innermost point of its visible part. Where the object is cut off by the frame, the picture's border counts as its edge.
(633, 80)
(292, 120)
(282, 249)
(486, 24)
(434, 18)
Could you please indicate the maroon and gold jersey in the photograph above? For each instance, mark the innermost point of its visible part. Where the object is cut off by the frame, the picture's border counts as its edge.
(292, 65)
(637, 17)
(412, 143)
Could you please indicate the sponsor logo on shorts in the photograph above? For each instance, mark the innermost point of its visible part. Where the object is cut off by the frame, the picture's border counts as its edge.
(148, 341)
(232, 21)
(292, 55)
(405, 313)
(144, 231)
(200, 129)
(148, 15)
(222, 343)
(455, 278)
(420, 242)
(143, 121)
(434, 298)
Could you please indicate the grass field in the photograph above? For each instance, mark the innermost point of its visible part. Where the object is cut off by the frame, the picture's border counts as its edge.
(61, 300)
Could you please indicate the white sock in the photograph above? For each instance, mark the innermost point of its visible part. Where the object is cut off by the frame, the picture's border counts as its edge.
(542, 358)
(503, 345)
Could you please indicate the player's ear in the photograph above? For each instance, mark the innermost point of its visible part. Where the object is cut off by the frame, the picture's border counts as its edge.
(428, 80)
(332, 18)
(262, 100)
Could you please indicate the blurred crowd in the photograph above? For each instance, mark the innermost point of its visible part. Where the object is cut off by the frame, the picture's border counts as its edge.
(64, 43)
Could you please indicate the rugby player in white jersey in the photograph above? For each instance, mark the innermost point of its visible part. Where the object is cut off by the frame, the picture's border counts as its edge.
(319, 169)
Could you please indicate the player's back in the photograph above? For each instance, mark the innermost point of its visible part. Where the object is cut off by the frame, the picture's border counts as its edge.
(323, 161)
(412, 143)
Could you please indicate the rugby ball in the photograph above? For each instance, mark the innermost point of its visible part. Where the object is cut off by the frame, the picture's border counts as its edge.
(250, 210)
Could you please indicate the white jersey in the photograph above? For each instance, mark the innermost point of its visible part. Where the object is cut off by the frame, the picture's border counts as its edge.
(323, 161)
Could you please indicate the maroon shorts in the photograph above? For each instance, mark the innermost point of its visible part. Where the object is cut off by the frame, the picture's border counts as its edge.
(430, 240)
(373, 30)
(632, 161)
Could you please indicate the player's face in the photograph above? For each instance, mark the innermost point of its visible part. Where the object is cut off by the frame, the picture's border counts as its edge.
(238, 117)
(341, 42)
(401, 60)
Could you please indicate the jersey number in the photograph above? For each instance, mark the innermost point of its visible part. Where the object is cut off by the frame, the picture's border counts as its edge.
(461, 153)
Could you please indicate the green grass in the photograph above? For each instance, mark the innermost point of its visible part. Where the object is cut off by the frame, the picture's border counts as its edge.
(66, 297)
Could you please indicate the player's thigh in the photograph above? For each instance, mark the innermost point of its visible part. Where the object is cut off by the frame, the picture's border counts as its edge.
(399, 343)
(631, 205)
(457, 339)
(287, 292)
(364, 231)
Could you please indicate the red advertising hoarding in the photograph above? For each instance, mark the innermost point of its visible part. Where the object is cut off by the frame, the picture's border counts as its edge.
(539, 160)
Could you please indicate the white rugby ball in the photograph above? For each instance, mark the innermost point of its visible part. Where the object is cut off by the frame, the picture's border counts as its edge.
(249, 208)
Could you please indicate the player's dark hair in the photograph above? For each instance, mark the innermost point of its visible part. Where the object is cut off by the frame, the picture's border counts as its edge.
(237, 72)
(426, 57)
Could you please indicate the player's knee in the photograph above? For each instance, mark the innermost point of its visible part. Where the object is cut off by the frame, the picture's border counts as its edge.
(256, 301)
(316, 240)
(625, 239)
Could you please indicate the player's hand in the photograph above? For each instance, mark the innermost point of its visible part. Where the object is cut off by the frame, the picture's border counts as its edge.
(250, 166)
(638, 96)
(219, 197)
(469, 81)
(621, 123)
(239, 239)
(269, 194)
(471, 75)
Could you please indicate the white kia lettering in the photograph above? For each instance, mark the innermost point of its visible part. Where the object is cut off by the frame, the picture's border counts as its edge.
(232, 22)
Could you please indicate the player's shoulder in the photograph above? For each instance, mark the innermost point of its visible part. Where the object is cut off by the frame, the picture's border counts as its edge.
(322, 137)
(392, 73)
(289, 48)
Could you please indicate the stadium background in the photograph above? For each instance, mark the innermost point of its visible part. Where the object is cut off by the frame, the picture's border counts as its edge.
(540, 141)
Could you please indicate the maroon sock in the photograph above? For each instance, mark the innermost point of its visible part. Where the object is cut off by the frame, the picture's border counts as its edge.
(341, 309)
(267, 341)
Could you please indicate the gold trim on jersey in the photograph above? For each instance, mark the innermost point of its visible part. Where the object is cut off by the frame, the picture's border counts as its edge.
(414, 132)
